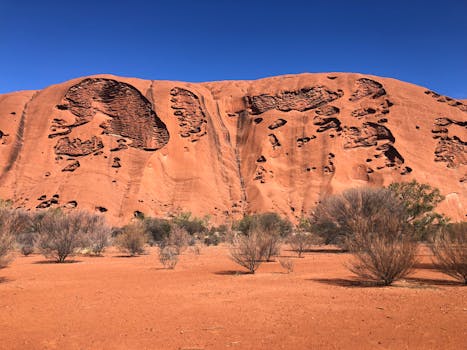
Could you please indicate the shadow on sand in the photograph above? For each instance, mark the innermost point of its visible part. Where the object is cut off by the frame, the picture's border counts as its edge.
(231, 273)
(45, 262)
(425, 266)
(342, 282)
(435, 282)
(5, 280)
(319, 250)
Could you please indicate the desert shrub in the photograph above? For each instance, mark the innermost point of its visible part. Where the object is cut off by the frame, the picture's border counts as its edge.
(192, 225)
(196, 249)
(270, 244)
(97, 236)
(270, 230)
(156, 229)
(177, 238)
(131, 239)
(300, 241)
(6, 238)
(168, 256)
(60, 234)
(266, 222)
(287, 264)
(216, 235)
(420, 201)
(26, 242)
(246, 250)
(6, 245)
(334, 217)
(24, 231)
(383, 247)
(450, 250)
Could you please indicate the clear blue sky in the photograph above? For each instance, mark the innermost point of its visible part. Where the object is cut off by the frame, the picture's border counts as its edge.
(47, 42)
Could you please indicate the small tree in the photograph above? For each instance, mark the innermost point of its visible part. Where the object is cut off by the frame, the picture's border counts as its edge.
(60, 234)
(420, 200)
(384, 250)
(132, 239)
(450, 250)
(246, 251)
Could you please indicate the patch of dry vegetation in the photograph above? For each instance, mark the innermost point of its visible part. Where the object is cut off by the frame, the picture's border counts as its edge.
(450, 251)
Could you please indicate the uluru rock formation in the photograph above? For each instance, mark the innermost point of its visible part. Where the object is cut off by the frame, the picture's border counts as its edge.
(120, 145)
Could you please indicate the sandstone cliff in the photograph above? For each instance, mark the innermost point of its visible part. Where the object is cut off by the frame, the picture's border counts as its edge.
(120, 145)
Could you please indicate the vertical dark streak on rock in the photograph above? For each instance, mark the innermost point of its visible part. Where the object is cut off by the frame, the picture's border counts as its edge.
(215, 137)
(241, 120)
(18, 141)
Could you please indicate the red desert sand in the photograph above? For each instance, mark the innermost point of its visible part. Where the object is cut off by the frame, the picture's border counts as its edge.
(113, 302)
(123, 146)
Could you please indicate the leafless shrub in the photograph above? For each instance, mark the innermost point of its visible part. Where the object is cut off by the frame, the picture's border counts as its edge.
(98, 236)
(270, 228)
(270, 244)
(450, 250)
(287, 264)
(178, 238)
(247, 250)
(196, 249)
(333, 218)
(60, 235)
(23, 229)
(6, 238)
(384, 250)
(168, 256)
(132, 239)
(301, 241)
(25, 242)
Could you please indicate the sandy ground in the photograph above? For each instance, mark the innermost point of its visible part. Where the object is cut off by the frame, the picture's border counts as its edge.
(114, 302)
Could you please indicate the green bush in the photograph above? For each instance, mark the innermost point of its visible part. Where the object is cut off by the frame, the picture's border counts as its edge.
(215, 235)
(420, 200)
(192, 225)
(267, 222)
(156, 229)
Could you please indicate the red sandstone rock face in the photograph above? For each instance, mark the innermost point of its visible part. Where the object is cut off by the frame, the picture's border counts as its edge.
(120, 146)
